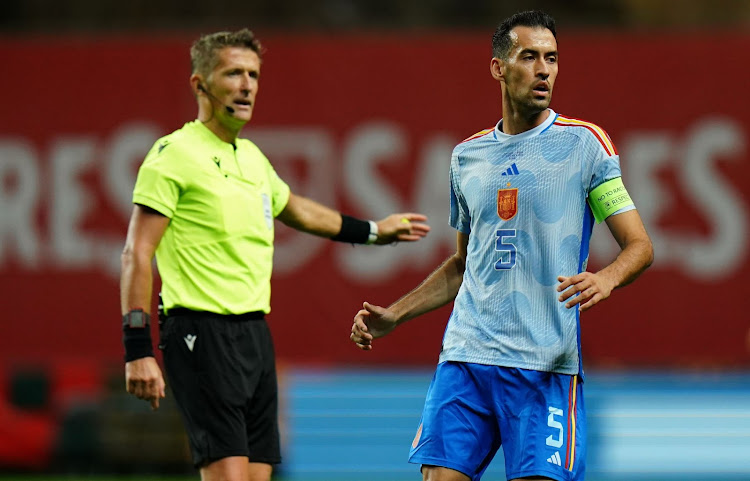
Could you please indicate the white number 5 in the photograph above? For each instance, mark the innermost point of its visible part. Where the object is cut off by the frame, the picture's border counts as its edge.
(551, 441)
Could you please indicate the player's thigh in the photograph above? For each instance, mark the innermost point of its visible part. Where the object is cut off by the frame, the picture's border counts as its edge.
(459, 428)
(439, 473)
(544, 429)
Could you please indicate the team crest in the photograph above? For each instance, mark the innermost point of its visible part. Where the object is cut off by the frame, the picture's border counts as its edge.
(507, 203)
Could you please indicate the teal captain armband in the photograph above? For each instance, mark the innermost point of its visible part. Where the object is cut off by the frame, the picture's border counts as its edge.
(608, 198)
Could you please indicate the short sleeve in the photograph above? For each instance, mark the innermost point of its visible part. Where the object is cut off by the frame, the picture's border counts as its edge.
(605, 167)
(159, 182)
(459, 214)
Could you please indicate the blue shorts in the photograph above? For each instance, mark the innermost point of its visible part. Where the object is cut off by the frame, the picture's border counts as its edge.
(473, 409)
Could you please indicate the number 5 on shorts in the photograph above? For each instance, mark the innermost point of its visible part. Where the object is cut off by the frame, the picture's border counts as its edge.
(551, 422)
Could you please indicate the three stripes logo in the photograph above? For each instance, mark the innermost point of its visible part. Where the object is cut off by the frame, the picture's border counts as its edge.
(512, 170)
(555, 459)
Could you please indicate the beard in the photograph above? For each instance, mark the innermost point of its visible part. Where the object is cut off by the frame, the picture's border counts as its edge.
(531, 104)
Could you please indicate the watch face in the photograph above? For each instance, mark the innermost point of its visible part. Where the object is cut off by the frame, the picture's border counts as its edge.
(135, 319)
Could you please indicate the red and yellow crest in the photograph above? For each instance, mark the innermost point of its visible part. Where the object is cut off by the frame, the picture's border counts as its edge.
(507, 203)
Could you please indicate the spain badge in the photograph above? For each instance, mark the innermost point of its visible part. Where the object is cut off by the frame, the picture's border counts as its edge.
(507, 203)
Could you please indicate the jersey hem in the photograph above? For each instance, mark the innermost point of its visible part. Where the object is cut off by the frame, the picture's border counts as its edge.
(287, 195)
(153, 204)
(572, 370)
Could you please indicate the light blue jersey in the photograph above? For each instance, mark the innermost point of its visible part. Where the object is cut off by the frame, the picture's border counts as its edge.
(523, 201)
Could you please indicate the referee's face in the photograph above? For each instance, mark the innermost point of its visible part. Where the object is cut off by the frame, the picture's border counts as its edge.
(234, 84)
(530, 71)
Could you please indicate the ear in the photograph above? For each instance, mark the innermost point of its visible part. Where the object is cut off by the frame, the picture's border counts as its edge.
(196, 80)
(496, 69)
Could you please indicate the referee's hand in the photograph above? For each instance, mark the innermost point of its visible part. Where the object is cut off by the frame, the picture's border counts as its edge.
(144, 380)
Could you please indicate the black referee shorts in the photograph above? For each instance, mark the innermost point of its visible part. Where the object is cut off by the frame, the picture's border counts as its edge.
(222, 373)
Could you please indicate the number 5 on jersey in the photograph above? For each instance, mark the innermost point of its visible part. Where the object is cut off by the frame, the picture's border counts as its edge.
(506, 248)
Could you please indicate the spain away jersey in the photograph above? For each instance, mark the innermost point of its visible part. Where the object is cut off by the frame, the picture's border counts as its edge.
(522, 199)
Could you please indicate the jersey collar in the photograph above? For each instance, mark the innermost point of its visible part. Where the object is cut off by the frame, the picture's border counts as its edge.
(503, 137)
(207, 134)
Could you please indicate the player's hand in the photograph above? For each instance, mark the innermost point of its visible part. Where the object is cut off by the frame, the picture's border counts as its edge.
(407, 227)
(585, 289)
(144, 380)
(370, 323)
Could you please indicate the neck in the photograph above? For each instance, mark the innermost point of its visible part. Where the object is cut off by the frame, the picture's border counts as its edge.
(227, 133)
(516, 121)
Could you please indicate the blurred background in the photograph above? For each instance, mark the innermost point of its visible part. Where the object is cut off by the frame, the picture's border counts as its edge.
(361, 103)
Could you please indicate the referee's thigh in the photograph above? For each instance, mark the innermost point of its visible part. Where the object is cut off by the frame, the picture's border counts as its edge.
(218, 370)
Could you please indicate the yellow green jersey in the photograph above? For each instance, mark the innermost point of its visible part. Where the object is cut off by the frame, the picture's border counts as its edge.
(217, 252)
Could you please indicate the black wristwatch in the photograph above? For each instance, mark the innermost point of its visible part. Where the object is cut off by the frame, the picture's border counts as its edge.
(136, 318)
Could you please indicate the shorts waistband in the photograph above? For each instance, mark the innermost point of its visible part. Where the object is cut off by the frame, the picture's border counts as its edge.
(247, 316)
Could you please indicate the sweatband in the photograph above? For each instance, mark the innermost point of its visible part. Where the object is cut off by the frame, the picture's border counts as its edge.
(608, 198)
(356, 231)
(137, 340)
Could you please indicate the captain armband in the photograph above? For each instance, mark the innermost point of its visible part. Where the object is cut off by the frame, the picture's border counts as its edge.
(356, 231)
(608, 198)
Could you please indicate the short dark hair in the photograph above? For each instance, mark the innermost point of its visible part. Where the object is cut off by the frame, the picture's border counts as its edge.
(203, 56)
(501, 41)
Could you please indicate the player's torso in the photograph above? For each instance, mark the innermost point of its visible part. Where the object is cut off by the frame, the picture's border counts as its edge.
(528, 195)
(528, 219)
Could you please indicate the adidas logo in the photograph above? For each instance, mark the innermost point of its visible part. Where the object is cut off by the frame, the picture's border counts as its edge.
(190, 341)
(512, 170)
(555, 458)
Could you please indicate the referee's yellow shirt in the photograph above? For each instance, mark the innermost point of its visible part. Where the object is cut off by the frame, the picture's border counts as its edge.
(217, 253)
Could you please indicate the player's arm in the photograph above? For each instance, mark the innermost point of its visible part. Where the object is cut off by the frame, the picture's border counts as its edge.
(438, 289)
(143, 378)
(312, 217)
(636, 254)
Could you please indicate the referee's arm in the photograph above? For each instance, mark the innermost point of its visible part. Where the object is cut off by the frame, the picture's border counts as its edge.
(309, 216)
(143, 378)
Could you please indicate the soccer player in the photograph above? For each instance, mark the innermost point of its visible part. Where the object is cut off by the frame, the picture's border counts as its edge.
(525, 196)
(205, 203)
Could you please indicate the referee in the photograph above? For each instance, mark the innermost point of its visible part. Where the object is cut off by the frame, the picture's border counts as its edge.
(204, 204)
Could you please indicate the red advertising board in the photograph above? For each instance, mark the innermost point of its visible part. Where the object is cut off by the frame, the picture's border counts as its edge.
(366, 123)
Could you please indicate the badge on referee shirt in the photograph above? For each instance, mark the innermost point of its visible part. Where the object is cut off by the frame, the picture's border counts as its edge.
(267, 210)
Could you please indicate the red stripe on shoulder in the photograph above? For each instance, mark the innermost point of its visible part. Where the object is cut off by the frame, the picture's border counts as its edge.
(478, 134)
(599, 133)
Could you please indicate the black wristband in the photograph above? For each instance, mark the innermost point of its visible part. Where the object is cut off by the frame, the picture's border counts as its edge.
(353, 230)
(137, 340)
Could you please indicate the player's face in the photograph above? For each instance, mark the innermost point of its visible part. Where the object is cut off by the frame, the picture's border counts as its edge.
(234, 83)
(531, 69)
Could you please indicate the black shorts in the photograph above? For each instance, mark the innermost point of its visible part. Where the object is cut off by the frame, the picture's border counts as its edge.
(222, 373)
